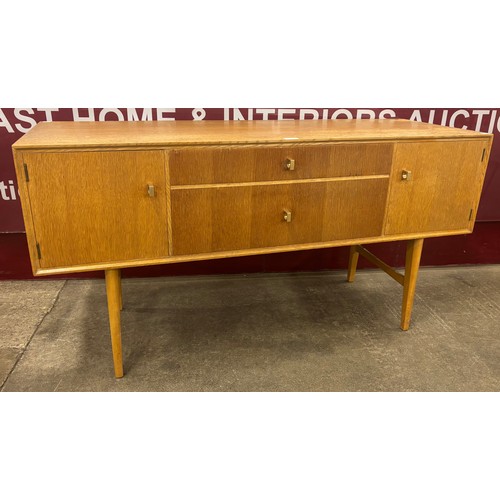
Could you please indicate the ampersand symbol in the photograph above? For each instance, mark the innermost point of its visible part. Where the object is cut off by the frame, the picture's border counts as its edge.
(199, 114)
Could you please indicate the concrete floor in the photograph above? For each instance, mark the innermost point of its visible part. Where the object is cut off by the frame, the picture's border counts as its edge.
(264, 332)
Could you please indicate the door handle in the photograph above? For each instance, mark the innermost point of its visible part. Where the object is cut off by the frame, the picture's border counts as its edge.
(289, 164)
(406, 175)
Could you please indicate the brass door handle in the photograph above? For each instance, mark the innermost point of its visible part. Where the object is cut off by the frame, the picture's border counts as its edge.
(406, 175)
(151, 191)
(287, 215)
(289, 164)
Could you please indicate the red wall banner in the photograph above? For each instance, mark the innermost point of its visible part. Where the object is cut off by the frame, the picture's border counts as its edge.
(14, 122)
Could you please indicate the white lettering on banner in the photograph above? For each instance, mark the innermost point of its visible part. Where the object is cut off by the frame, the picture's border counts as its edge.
(265, 113)
(416, 116)
(305, 112)
(341, 112)
(387, 113)
(89, 118)
(199, 113)
(132, 115)
(161, 111)
(480, 113)
(283, 112)
(24, 119)
(12, 190)
(457, 113)
(48, 113)
(115, 111)
(3, 191)
(365, 112)
(492, 121)
(5, 123)
(486, 120)
(237, 114)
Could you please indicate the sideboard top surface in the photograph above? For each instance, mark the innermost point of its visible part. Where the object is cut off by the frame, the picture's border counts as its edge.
(213, 132)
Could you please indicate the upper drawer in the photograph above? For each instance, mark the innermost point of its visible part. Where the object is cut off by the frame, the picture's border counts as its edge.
(230, 164)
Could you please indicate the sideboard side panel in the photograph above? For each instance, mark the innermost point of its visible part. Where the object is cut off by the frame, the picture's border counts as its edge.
(22, 182)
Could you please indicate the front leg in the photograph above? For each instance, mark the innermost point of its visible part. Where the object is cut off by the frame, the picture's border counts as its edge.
(413, 253)
(353, 263)
(113, 292)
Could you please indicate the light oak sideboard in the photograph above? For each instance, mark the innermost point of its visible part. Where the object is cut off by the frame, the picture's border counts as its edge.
(110, 195)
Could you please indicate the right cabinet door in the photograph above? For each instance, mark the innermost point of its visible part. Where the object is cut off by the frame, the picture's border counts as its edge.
(435, 186)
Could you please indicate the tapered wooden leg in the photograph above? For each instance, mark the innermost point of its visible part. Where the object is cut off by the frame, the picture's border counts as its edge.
(413, 253)
(113, 292)
(120, 288)
(353, 263)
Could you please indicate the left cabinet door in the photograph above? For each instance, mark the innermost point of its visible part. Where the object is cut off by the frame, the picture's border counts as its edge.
(97, 207)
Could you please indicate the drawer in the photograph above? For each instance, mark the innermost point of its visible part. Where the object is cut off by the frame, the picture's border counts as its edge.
(215, 219)
(215, 165)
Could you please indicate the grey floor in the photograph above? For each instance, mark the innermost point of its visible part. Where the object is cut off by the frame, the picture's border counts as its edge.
(262, 332)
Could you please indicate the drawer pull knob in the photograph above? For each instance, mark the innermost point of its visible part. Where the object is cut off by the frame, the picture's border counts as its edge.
(289, 164)
(406, 175)
(287, 215)
(151, 191)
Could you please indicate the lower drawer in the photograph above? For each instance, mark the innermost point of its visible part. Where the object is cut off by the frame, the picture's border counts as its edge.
(229, 218)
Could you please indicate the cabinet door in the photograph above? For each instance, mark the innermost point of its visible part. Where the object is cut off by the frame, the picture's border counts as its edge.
(94, 207)
(442, 191)
(216, 219)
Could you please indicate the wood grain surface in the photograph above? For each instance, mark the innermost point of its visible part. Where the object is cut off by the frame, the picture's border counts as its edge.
(413, 254)
(113, 293)
(212, 165)
(444, 188)
(154, 133)
(241, 253)
(94, 207)
(221, 189)
(234, 218)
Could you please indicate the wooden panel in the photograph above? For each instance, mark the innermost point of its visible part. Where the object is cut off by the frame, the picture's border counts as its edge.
(245, 252)
(94, 207)
(444, 189)
(207, 220)
(154, 133)
(354, 209)
(305, 203)
(213, 165)
(25, 204)
(234, 218)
